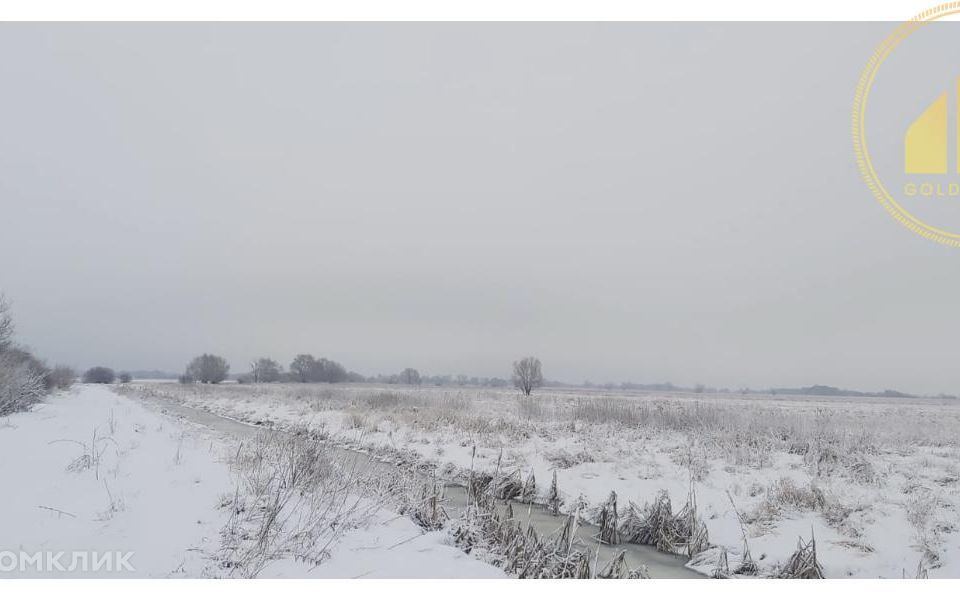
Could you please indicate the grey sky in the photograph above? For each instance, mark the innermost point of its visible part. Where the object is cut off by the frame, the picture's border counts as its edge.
(629, 202)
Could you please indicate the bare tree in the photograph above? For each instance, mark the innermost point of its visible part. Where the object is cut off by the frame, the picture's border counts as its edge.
(264, 370)
(410, 376)
(208, 369)
(527, 374)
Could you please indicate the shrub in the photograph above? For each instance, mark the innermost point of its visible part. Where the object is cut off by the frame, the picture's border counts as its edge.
(21, 381)
(23, 377)
(61, 377)
(124, 377)
(99, 374)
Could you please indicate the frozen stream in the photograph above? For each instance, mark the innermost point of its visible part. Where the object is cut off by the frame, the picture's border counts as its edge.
(659, 564)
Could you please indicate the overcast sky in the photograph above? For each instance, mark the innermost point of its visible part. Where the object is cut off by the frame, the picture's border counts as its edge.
(628, 202)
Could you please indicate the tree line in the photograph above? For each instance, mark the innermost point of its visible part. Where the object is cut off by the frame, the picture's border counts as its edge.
(25, 379)
(305, 368)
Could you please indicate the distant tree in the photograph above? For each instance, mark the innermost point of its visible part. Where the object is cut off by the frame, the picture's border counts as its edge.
(208, 369)
(264, 370)
(329, 371)
(303, 367)
(410, 376)
(527, 374)
(307, 369)
(61, 377)
(99, 374)
(124, 377)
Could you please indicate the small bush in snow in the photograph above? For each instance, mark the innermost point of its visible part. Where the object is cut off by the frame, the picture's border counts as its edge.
(21, 381)
(22, 376)
(61, 377)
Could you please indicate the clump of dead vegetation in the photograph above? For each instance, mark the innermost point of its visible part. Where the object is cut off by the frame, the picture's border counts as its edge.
(503, 541)
(489, 529)
(92, 452)
(921, 507)
(294, 499)
(562, 459)
(492, 532)
(655, 524)
(484, 526)
(617, 569)
(803, 564)
(785, 495)
(427, 510)
(609, 522)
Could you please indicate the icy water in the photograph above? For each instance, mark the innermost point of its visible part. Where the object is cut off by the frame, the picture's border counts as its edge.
(659, 564)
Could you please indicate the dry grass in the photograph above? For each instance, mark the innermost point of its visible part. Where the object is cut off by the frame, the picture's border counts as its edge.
(294, 499)
(785, 495)
(803, 564)
(655, 524)
(873, 445)
(739, 428)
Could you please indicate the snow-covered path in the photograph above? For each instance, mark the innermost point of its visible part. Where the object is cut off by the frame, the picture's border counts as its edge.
(96, 485)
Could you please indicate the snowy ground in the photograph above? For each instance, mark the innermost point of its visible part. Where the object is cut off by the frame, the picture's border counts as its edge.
(95, 475)
(874, 480)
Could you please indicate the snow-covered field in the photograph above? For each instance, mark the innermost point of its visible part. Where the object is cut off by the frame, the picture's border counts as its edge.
(96, 485)
(875, 481)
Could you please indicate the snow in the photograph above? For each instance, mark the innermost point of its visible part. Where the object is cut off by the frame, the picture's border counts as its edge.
(879, 522)
(393, 547)
(152, 490)
(162, 478)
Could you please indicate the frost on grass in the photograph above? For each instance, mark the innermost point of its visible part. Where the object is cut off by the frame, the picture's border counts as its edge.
(495, 536)
(655, 524)
(293, 500)
(859, 471)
